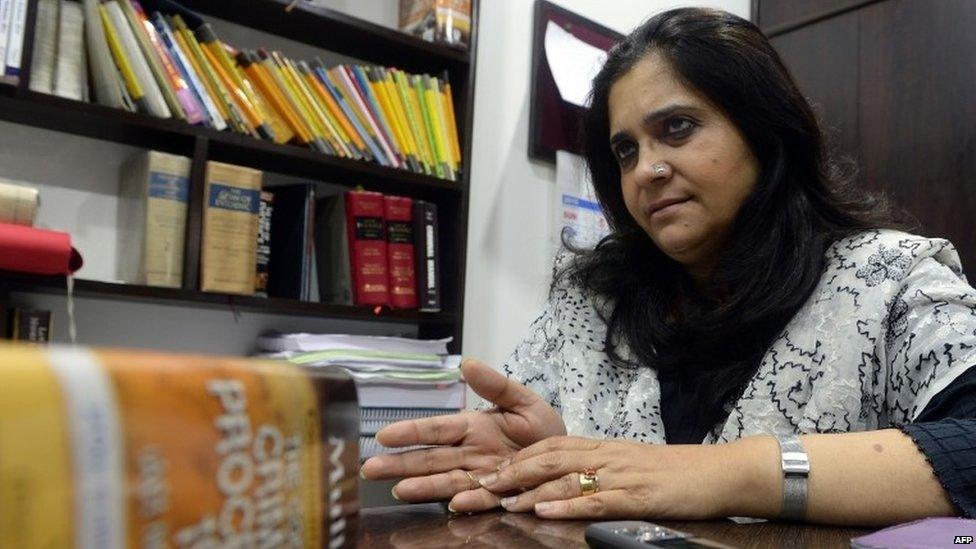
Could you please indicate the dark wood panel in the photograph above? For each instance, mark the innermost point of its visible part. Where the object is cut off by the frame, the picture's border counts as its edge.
(917, 112)
(777, 16)
(823, 60)
(430, 525)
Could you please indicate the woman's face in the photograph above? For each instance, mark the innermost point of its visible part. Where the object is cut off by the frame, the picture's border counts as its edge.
(687, 208)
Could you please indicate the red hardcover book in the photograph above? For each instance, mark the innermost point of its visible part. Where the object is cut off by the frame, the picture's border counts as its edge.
(399, 252)
(366, 231)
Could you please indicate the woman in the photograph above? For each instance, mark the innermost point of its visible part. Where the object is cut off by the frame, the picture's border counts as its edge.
(746, 294)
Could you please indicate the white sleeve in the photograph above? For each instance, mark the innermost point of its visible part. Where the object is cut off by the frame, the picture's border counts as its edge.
(930, 336)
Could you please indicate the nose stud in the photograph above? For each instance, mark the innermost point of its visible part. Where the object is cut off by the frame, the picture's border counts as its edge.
(658, 169)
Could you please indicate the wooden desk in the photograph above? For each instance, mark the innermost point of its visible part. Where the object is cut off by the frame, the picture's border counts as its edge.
(430, 525)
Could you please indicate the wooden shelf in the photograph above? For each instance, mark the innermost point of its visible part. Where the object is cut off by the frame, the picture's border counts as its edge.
(335, 31)
(318, 27)
(20, 282)
(101, 122)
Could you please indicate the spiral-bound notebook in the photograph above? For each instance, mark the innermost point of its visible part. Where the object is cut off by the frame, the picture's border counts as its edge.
(371, 420)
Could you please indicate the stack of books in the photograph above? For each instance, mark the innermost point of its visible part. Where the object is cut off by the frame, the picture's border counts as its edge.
(396, 378)
(155, 63)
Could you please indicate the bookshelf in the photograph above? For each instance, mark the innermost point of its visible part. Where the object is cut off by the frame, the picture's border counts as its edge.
(317, 27)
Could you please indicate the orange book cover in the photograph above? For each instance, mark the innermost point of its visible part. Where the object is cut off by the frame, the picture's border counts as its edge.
(150, 449)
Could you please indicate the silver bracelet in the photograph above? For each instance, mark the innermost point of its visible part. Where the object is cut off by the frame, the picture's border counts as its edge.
(796, 470)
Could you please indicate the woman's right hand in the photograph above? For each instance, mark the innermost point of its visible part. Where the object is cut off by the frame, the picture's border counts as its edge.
(468, 442)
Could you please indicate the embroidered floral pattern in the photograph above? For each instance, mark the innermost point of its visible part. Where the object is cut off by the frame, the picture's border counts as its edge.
(858, 355)
(887, 263)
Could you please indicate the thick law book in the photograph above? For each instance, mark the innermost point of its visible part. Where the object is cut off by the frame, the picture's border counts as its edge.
(153, 197)
(351, 252)
(427, 259)
(116, 448)
(230, 228)
(398, 211)
(292, 241)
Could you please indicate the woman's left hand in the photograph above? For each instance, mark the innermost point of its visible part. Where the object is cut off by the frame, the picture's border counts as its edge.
(636, 480)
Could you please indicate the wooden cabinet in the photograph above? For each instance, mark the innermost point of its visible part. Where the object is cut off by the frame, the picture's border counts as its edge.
(894, 83)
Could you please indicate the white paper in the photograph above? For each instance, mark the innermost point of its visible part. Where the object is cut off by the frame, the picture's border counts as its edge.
(573, 64)
(575, 209)
(273, 341)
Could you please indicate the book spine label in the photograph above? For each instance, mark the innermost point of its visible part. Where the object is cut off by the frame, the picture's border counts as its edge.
(427, 256)
(230, 229)
(264, 244)
(31, 325)
(262, 456)
(400, 252)
(366, 232)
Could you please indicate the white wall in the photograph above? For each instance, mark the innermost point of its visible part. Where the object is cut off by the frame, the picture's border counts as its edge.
(509, 263)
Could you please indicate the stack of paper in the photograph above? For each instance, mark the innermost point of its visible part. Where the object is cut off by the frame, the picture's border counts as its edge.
(396, 378)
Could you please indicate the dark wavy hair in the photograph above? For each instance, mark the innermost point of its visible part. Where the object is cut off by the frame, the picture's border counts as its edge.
(713, 341)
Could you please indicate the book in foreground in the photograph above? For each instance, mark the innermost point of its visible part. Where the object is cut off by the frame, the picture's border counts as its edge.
(110, 448)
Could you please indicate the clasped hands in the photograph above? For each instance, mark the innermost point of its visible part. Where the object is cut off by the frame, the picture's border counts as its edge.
(516, 455)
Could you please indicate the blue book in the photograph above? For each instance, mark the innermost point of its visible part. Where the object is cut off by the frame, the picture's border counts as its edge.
(189, 76)
(340, 99)
(367, 91)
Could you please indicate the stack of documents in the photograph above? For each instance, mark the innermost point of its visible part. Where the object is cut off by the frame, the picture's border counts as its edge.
(396, 378)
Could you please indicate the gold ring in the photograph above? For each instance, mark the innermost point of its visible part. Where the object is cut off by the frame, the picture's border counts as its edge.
(589, 482)
(474, 481)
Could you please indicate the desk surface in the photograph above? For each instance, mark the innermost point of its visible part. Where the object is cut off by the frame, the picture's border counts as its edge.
(430, 525)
